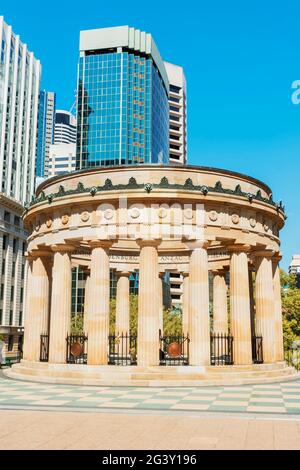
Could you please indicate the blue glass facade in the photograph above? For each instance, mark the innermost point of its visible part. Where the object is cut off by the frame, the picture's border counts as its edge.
(122, 111)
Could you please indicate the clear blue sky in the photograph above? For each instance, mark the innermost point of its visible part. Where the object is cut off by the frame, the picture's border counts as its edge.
(240, 58)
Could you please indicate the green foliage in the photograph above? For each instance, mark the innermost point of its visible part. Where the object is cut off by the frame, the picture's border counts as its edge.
(290, 308)
(172, 322)
(77, 324)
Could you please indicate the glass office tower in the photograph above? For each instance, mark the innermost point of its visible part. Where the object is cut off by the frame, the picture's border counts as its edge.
(122, 100)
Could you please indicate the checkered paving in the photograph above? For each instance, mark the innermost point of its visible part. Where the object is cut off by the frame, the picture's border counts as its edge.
(272, 398)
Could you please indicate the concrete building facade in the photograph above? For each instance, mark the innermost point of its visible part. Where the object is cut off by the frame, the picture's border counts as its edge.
(65, 127)
(20, 75)
(12, 264)
(19, 97)
(177, 113)
(46, 121)
(62, 159)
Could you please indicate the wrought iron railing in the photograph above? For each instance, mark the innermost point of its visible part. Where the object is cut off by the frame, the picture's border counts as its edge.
(44, 348)
(174, 350)
(257, 350)
(292, 355)
(221, 349)
(122, 349)
(76, 349)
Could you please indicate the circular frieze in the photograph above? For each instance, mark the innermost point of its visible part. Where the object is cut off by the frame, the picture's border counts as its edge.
(213, 216)
(108, 214)
(235, 218)
(85, 216)
(162, 213)
(252, 222)
(134, 213)
(266, 226)
(188, 213)
(49, 223)
(64, 219)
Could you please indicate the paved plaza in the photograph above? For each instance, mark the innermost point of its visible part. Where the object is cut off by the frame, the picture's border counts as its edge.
(281, 398)
(44, 416)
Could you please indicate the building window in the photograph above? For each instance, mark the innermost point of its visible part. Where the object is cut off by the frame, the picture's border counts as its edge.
(22, 271)
(10, 345)
(1, 291)
(12, 289)
(175, 89)
(21, 294)
(7, 216)
(23, 248)
(17, 220)
(10, 318)
(1, 316)
(15, 245)
(3, 267)
(4, 242)
(13, 269)
(20, 318)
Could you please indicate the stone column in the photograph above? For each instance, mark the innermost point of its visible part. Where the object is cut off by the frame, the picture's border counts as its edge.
(86, 304)
(199, 305)
(252, 304)
(185, 304)
(265, 318)
(39, 304)
(279, 352)
(122, 303)
(220, 311)
(240, 305)
(60, 315)
(98, 303)
(148, 309)
(28, 311)
(161, 302)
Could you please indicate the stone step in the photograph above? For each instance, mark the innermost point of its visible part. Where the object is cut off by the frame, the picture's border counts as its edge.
(153, 383)
(130, 376)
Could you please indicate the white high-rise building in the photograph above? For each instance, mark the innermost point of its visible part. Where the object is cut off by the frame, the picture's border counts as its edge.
(177, 114)
(62, 159)
(19, 98)
(65, 127)
(46, 121)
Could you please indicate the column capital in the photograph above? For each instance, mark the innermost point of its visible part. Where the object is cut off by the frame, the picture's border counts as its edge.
(62, 248)
(239, 248)
(100, 243)
(38, 253)
(194, 245)
(277, 257)
(218, 272)
(266, 253)
(148, 242)
(124, 273)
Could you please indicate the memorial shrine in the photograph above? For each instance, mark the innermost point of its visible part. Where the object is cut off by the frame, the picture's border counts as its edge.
(220, 229)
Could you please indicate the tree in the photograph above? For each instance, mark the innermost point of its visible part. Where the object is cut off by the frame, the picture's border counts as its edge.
(290, 308)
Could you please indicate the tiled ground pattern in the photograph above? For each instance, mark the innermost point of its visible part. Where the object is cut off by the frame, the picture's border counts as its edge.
(273, 398)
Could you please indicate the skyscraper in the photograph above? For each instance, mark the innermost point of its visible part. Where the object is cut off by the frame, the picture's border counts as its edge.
(177, 114)
(19, 97)
(45, 131)
(122, 99)
(65, 127)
